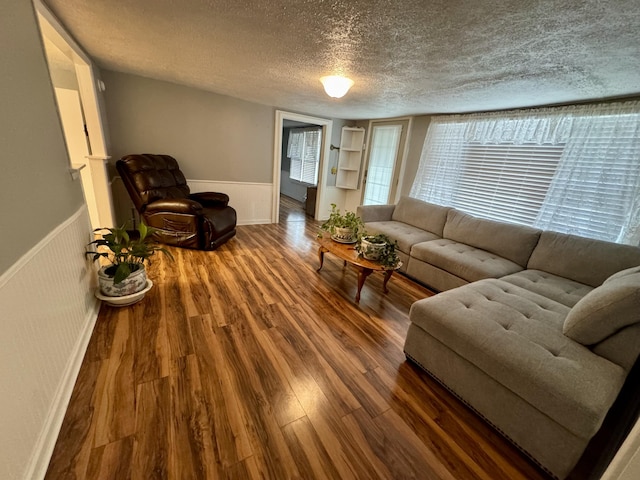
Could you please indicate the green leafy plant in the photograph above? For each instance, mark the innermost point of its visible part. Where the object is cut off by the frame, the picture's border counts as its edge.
(384, 247)
(342, 220)
(126, 252)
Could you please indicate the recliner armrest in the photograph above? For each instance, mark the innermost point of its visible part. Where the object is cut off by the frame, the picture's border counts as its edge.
(211, 199)
(175, 205)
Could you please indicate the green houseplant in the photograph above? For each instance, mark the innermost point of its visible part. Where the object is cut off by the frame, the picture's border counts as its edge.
(379, 248)
(344, 227)
(126, 253)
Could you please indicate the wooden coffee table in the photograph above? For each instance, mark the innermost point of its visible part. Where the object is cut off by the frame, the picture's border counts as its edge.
(348, 253)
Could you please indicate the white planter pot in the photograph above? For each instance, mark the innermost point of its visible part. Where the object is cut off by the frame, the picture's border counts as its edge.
(344, 235)
(371, 251)
(134, 283)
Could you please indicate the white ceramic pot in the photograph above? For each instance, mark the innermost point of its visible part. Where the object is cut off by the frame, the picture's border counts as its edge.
(371, 251)
(344, 235)
(134, 283)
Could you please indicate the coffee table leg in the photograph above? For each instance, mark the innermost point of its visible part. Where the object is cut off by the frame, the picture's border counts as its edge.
(321, 252)
(387, 276)
(363, 273)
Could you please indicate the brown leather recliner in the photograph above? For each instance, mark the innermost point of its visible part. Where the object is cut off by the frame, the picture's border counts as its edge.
(161, 195)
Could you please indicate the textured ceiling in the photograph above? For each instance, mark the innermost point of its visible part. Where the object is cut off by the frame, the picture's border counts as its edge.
(406, 57)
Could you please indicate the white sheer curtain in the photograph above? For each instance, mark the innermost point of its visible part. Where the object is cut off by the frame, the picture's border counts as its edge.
(441, 161)
(596, 189)
(570, 169)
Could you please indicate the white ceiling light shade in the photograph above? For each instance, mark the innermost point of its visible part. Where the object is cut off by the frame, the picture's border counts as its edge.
(336, 86)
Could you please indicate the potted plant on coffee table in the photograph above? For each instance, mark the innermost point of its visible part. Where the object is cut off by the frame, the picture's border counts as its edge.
(123, 280)
(344, 227)
(379, 248)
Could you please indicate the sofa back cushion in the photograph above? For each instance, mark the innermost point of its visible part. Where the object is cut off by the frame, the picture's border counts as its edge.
(605, 310)
(424, 215)
(513, 242)
(581, 259)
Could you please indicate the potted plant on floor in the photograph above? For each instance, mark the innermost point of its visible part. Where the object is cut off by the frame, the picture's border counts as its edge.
(124, 277)
(344, 227)
(379, 248)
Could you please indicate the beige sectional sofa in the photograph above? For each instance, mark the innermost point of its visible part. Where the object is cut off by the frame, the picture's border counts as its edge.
(534, 330)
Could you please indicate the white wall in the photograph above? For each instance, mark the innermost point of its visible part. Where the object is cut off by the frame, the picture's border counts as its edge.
(46, 306)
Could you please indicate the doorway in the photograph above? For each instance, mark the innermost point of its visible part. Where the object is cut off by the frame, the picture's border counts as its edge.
(384, 161)
(285, 118)
(300, 160)
(71, 69)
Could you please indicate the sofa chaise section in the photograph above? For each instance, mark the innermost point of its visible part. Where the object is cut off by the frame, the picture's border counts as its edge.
(542, 372)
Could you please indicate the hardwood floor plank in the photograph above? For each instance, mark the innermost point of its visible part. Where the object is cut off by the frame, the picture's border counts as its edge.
(229, 422)
(112, 461)
(307, 354)
(149, 362)
(310, 455)
(192, 454)
(411, 458)
(151, 442)
(72, 452)
(342, 364)
(175, 320)
(245, 363)
(115, 388)
(101, 341)
(272, 455)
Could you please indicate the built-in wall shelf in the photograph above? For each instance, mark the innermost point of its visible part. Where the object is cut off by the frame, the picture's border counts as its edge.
(350, 157)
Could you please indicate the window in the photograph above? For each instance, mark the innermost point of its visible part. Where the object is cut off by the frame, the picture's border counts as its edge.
(382, 161)
(304, 151)
(572, 169)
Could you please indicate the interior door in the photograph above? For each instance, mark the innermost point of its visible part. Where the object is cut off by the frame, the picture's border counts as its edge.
(386, 148)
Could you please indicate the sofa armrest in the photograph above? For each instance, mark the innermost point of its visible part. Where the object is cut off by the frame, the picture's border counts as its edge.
(174, 205)
(211, 199)
(375, 213)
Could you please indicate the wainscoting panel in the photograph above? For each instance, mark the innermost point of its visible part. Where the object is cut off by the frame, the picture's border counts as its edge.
(252, 201)
(47, 314)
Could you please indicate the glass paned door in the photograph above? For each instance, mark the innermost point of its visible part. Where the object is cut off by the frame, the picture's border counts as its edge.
(383, 153)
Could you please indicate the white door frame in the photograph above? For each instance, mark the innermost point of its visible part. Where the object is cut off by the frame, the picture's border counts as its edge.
(327, 126)
(89, 86)
(401, 162)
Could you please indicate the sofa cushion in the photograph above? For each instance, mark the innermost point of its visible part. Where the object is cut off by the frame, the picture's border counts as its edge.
(559, 289)
(605, 310)
(623, 273)
(515, 337)
(464, 261)
(584, 260)
(424, 215)
(406, 235)
(513, 242)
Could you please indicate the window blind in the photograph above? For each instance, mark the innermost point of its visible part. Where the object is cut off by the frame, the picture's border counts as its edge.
(304, 151)
(572, 169)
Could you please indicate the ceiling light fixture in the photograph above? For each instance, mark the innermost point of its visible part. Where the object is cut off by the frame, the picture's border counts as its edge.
(336, 86)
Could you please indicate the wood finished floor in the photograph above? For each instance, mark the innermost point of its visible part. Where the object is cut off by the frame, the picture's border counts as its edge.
(244, 363)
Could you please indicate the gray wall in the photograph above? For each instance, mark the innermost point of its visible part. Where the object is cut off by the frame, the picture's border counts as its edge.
(36, 190)
(214, 137)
